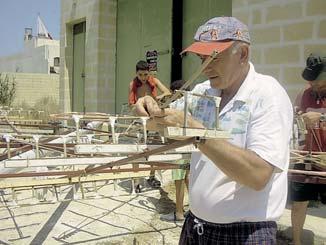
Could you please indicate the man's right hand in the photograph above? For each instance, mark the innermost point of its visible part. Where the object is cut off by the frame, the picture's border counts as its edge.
(161, 118)
(311, 118)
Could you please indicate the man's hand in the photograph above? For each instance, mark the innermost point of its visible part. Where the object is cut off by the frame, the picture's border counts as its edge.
(311, 118)
(161, 118)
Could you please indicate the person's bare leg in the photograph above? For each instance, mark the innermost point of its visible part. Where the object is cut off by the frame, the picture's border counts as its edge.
(152, 173)
(179, 195)
(136, 180)
(152, 181)
(187, 179)
(298, 216)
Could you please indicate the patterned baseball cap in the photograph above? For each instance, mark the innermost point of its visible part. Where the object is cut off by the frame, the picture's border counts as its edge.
(315, 69)
(218, 34)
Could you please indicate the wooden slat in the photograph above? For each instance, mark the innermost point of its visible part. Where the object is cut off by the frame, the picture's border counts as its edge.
(193, 132)
(29, 131)
(153, 167)
(302, 178)
(66, 181)
(53, 162)
(126, 148)
(160, 150)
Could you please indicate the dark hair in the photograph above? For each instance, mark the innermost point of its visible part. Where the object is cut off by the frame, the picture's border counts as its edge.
(177, 84)
(142, 65)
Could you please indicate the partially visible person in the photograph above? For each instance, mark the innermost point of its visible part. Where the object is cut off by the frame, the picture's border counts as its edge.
(180, 176)
(237, 186)
(311, 103)
(145, 84)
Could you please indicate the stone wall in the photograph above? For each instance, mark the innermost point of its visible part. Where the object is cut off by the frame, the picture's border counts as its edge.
(283, 34)
(32, 87)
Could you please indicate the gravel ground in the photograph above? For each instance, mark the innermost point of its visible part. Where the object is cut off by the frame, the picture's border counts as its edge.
(111, 217)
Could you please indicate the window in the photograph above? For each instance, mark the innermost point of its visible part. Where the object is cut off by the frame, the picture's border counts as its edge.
(56, 61)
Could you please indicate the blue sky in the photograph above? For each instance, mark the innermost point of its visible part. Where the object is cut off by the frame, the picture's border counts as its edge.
(16, 15)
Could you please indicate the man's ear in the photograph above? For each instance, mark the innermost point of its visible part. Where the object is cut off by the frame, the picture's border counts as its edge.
(244, 57)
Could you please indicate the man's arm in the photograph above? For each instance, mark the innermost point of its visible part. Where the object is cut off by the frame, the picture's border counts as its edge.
(243, 166)
(164, 90)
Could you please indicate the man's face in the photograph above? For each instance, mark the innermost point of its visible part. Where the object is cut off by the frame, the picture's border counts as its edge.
(319, 86)
(223, 70)
(142, 75)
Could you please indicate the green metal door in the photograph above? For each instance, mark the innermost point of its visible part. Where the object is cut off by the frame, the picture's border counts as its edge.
(142, 25)
(78, 85)
(195, 13)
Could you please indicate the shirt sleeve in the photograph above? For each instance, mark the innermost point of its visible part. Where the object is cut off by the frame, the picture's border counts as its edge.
(270, 129)
(131, 96)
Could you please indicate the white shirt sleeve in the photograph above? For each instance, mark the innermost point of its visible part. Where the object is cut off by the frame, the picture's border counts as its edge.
(270, 129)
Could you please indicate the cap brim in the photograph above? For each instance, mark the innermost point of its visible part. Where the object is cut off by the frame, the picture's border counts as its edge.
(207, 48)
(309, 75)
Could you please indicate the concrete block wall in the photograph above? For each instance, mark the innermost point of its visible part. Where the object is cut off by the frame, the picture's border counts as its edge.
(31, 87)
(26, 62)
(106, 57)
(283, 34)
(100, 52)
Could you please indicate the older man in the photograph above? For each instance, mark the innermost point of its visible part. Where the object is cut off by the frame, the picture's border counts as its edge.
(238, 187)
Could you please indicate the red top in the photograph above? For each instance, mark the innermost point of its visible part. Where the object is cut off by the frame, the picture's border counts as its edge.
(309, 102)
(135, 84)
(316, 137)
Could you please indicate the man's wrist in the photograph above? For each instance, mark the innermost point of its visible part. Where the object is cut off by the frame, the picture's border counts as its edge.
(322, 117)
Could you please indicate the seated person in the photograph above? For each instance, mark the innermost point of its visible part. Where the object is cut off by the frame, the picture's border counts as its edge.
(145, 84)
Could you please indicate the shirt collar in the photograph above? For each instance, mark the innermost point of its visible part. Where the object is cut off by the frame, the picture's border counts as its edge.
(243, 92)
(247, 85)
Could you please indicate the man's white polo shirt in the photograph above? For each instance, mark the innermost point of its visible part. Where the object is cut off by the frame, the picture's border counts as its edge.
(259, 118)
